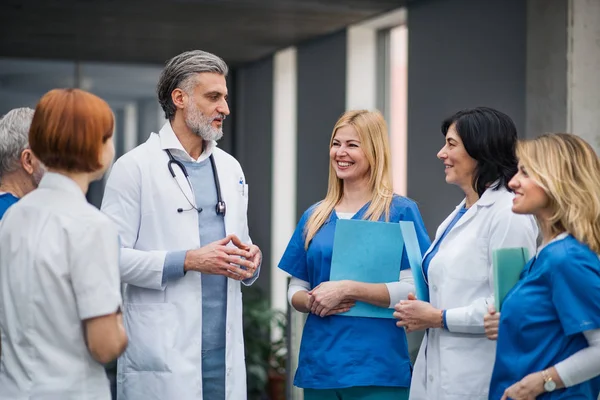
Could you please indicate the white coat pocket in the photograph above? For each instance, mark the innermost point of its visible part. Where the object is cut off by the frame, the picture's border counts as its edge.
(152, 326)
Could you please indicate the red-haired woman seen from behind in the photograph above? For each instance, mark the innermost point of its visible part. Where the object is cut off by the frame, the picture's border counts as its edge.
(59, 273)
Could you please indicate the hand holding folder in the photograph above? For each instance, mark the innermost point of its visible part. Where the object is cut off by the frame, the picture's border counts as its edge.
(371, 252)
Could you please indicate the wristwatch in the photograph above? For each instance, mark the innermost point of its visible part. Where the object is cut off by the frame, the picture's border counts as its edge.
(549, 384)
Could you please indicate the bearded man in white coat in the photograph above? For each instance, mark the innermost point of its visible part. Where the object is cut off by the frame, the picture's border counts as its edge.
(180, 204)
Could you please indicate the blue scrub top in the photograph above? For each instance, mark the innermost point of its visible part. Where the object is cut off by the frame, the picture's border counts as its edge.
(543, 317)
(6, 200)
(339, 352)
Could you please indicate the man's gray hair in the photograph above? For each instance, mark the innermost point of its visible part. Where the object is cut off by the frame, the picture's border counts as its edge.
(180, 72)
(14, 138)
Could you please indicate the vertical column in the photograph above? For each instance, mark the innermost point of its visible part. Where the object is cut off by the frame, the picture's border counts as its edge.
(361, 68)
(398, 104)
(546, 97)
(583, 116)
(376, 78)
(283, 196)
(283, 200)
(563, 60)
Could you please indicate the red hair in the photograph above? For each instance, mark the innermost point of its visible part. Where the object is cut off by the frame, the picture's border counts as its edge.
(69, 128)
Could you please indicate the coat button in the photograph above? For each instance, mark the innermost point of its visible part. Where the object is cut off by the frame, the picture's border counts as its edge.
(430, 378)
(434, 288)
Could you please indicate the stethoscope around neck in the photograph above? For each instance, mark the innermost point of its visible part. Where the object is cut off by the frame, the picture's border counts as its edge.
(220, 207)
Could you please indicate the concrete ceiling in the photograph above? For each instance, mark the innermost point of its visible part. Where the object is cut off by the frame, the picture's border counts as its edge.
(152, 31)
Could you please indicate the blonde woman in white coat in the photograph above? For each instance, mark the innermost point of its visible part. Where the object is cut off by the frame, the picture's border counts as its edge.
(456, 359)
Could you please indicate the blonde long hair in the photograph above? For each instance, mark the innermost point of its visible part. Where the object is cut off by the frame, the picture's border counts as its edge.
(568, 170)
(372, 132)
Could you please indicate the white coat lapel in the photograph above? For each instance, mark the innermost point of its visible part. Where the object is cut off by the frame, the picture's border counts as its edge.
(487, 199)
(471, 212)
(442, 228)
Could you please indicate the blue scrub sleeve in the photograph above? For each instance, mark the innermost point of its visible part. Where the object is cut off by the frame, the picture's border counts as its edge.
(254, 277)
(576, 291)
(293, 260)
(412, 213)
(173, 267)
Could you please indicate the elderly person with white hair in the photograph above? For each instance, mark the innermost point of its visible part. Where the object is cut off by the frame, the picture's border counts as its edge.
(20, 170)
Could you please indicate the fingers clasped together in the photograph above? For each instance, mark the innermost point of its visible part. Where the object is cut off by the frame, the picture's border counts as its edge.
(229, 257)
(329, 298)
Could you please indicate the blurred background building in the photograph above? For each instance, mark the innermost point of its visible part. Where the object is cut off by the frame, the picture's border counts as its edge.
(297, 65)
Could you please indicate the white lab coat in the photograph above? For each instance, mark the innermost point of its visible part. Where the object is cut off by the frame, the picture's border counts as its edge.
(164, 322)
(59, 265)
(456, 364)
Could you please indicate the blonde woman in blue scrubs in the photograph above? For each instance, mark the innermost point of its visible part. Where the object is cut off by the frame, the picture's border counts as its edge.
(549, 329)
(351, 357)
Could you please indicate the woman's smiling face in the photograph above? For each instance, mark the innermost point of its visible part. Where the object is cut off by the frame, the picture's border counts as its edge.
(347, 156)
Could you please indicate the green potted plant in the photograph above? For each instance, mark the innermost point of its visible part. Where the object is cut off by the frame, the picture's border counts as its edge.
(278, 357)
(265, 359)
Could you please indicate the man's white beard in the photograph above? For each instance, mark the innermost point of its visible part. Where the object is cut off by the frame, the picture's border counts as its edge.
(201, 125)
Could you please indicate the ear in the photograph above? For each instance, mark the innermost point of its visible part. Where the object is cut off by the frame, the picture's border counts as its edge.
(27, 161)
(179, 98)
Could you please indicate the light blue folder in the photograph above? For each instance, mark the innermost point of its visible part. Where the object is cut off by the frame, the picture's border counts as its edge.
(371, 252)
(415, 258)
(507, 267)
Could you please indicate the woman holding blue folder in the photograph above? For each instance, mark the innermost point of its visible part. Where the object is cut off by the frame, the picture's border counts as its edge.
(455, 360)
(345, 357)
(549, 329)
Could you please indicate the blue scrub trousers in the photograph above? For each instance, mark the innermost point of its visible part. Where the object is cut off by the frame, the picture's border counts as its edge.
(358, 393)
(213, 374)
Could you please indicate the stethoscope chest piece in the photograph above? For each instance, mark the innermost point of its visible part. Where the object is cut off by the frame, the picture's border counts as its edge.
(221, 208)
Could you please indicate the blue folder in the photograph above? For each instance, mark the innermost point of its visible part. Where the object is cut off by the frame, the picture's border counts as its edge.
(415, 258)
(371, 252)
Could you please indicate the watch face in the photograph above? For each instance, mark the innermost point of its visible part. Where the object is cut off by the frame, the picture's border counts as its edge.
(549, 386)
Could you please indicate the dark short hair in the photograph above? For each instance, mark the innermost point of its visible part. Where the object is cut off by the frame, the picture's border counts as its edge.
(489, 137)
(69, 128)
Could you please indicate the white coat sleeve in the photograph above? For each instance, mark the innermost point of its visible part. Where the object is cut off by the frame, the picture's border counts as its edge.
(507, 229)
(122, 203)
